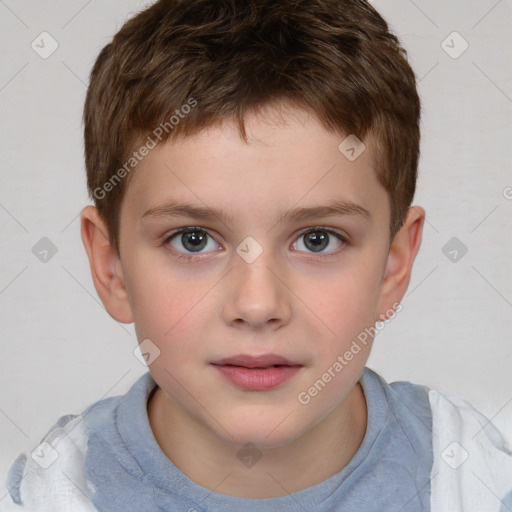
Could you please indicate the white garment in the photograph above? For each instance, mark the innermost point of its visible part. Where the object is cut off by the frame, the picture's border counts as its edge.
(472, 469)
(61, 486)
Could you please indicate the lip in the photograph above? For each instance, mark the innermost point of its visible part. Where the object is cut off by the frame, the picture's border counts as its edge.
(261, 361)
(257, 373)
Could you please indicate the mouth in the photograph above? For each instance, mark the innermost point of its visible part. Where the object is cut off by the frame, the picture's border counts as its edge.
(261, 361)
(257, 373)
(257, 367)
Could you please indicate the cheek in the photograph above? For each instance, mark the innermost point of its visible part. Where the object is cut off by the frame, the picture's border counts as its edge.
(348, 303)
(166, 309)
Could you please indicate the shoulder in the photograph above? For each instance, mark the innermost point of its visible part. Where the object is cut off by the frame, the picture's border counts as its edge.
(51, 477)
(472, 459)
(471, 464)
(407, 406)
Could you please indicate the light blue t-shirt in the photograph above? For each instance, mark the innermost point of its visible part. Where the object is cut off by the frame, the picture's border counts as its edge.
(389, 472)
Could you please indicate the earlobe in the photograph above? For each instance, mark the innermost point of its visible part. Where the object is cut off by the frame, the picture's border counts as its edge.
(401, 256)
(106, 268)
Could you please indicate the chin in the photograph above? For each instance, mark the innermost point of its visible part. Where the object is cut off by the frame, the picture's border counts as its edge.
(263, 433)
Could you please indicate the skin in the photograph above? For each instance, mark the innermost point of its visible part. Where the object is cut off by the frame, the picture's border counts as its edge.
(307, 306)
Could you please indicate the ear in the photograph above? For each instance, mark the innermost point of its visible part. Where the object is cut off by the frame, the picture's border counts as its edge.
(401, 256)
(106, 269)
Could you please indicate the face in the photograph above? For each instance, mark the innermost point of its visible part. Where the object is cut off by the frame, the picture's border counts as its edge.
(269, 270)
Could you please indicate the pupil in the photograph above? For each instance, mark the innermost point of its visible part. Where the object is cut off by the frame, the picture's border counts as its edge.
(194, 240)
(317, 240)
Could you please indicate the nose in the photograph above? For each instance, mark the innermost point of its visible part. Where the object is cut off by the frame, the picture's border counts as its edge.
(257, 297)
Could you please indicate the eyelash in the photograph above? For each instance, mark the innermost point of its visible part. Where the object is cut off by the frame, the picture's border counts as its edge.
(192, 256)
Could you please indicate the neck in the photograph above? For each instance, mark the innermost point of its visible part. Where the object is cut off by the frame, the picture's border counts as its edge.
(324, 450)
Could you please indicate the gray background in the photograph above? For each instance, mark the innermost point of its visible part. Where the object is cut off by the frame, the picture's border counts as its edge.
(61, 351)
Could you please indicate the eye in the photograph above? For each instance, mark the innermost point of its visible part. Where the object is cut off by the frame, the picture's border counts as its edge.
(191, 240)
(317, 239)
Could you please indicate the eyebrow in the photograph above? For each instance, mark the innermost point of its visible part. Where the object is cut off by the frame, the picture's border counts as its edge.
(332, 208)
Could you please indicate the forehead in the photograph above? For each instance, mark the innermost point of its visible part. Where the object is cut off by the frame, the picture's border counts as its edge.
(289, 159)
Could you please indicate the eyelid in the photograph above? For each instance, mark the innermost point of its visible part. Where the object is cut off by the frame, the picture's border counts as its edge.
(303, 231)
(341, 236)
(187, 229)
(188, 256)
(333, 231)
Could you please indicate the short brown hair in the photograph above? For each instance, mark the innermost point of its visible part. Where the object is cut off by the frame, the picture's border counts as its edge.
(225, 58)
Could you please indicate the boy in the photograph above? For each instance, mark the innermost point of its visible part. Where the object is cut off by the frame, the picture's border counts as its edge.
(253, 166)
